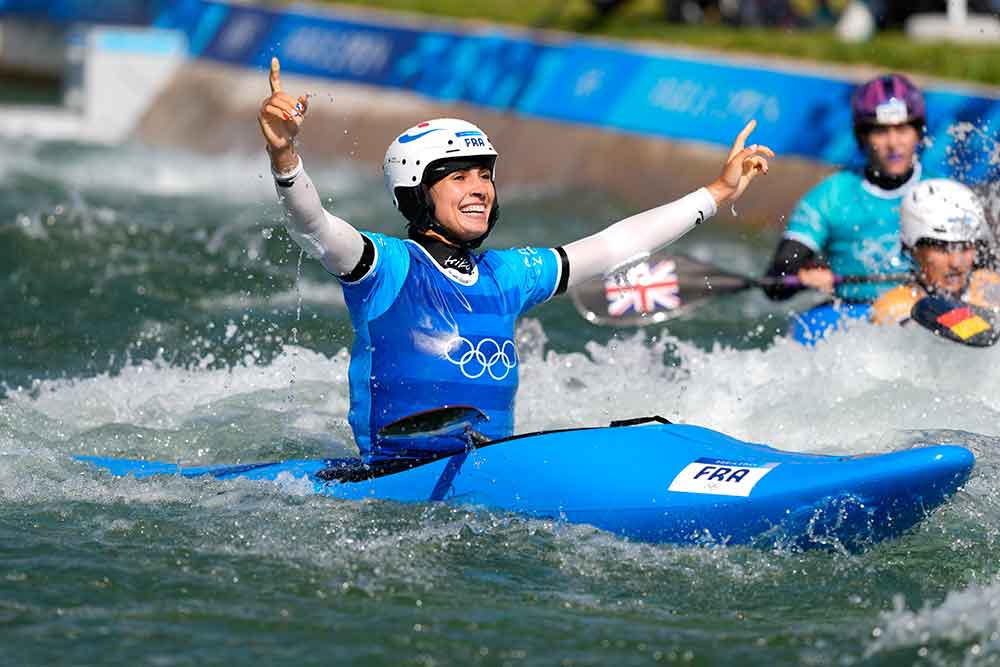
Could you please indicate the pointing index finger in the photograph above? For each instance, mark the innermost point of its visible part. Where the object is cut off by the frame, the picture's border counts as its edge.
(275, 77)
(741, 138)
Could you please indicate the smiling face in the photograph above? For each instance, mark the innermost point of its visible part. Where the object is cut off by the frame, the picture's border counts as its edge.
(891, 148)
(945, 267)
(462, 202)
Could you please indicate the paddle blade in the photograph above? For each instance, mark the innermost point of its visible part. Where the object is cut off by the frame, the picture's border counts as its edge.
(653, 290)
(444, 421)
(955, 321)
(426, 436)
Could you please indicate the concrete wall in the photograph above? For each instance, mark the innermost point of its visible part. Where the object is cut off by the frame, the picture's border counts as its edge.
(108, 75)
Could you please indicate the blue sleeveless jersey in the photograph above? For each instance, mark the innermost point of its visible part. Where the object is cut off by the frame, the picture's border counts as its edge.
(855, 225)
(426, 338)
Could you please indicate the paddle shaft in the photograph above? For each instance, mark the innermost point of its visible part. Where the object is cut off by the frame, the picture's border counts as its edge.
(664, 286)
(795, 281)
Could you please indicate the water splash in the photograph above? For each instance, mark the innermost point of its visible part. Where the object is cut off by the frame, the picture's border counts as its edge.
(966, 623)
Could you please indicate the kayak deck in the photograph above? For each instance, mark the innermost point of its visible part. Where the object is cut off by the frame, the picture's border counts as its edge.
(659, 483)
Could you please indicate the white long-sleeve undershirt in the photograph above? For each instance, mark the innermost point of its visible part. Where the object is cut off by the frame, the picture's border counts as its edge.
(632, 238)
(323, 236)
(339, 246)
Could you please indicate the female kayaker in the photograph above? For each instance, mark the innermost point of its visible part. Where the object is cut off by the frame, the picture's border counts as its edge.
(943, 227)
(434, 320)
(849, 223)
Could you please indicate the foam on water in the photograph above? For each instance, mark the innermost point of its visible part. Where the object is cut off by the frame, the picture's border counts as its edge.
(153, 394)
(853, 392)
(967, 622)
(238, 177)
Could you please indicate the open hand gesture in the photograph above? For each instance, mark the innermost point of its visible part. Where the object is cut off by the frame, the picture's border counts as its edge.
(281, 116)
(742, 166)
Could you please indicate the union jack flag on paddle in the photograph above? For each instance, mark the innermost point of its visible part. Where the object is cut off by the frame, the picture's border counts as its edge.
(643, 289)
(653, 290)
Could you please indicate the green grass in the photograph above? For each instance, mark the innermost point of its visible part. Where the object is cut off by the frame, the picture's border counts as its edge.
(643, 20)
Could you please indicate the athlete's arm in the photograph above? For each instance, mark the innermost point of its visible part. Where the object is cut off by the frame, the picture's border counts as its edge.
(794, 258)
(636, 236)
(894, 306)
(640, 234)
(342, 250)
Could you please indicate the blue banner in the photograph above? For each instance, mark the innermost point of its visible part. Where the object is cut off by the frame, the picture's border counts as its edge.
(581, 83)
(129, 12)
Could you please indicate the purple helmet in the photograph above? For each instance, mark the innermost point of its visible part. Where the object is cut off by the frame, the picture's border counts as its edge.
(888, 100)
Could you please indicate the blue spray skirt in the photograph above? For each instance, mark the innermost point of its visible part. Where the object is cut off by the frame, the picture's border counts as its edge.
(659, 483)
(816, 323)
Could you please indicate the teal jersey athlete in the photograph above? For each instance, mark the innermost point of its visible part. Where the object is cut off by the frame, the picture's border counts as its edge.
(848, 225)
(427, 336)
(854, 225)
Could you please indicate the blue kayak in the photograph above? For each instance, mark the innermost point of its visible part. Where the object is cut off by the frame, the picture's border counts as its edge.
(816, 323)
(653, 482)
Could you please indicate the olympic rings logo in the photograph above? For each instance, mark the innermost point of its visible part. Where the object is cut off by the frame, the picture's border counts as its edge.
(488, 356)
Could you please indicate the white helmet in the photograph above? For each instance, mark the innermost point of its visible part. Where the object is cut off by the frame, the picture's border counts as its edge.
(940, 209)
(456, 143)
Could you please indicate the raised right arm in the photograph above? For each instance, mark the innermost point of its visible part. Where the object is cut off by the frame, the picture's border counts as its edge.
(341, 249)
(638, 235)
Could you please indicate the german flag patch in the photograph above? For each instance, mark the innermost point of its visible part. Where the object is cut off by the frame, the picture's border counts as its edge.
(963, 322)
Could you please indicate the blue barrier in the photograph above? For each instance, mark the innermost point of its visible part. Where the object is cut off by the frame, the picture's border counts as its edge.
(133, 12)
(574, 80)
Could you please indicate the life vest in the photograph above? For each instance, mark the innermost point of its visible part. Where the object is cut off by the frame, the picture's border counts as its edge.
(427, 337)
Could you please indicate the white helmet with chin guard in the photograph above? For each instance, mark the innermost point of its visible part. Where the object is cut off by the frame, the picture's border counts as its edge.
(942, 210)
(425, 154)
